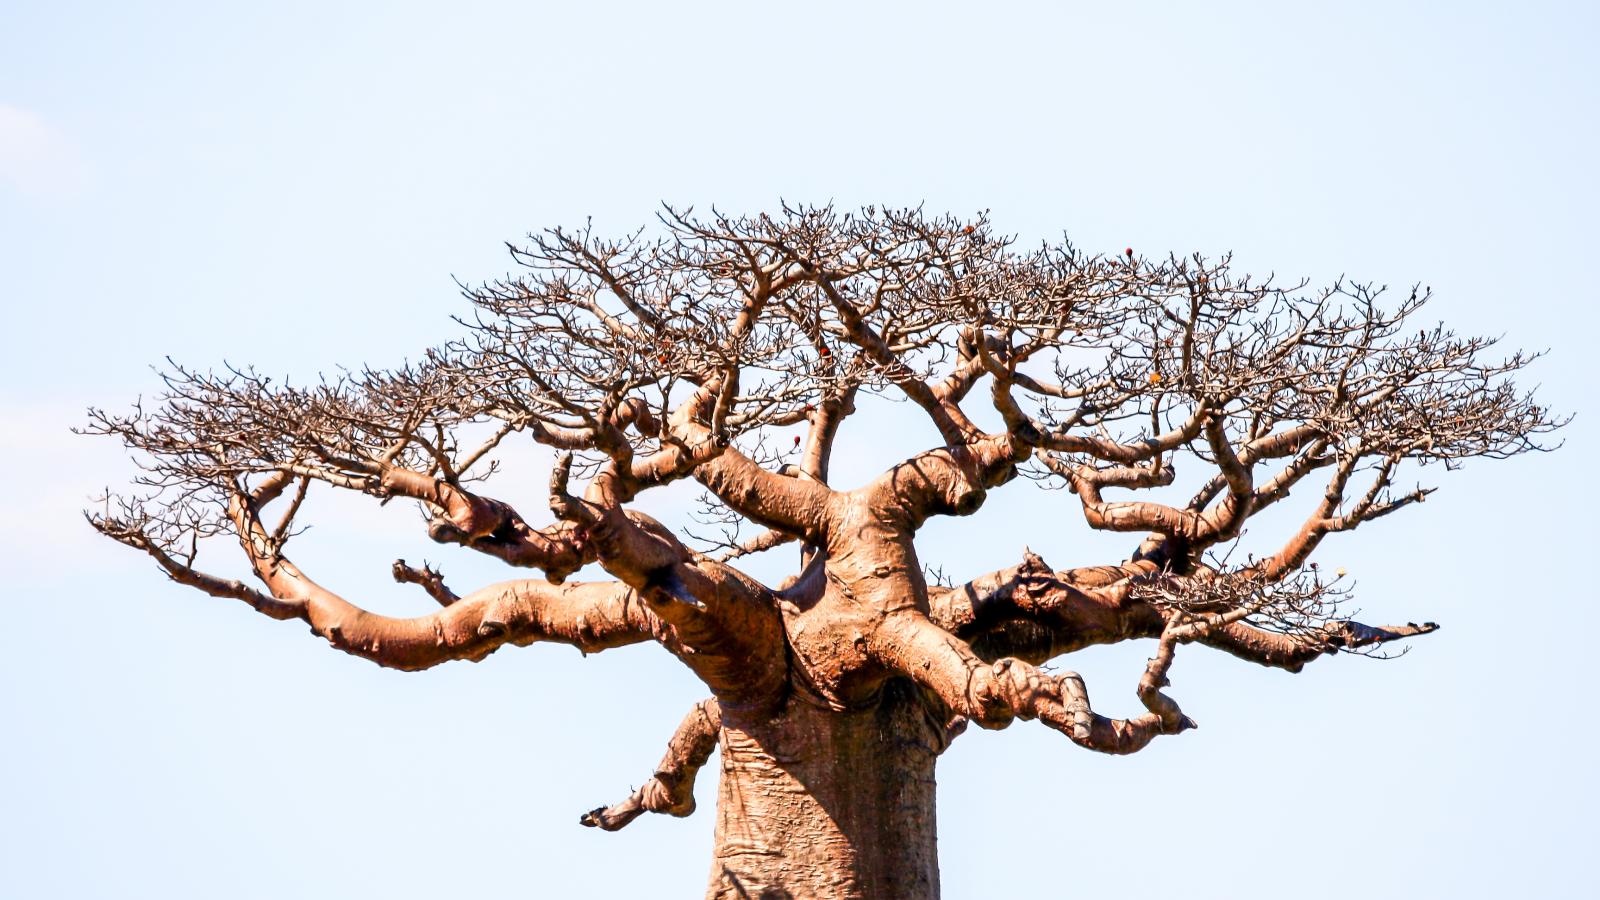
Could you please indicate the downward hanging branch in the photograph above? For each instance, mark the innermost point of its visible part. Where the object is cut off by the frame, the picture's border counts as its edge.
(671, 789)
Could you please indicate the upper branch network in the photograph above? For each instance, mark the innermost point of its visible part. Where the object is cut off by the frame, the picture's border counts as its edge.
(1172, 397)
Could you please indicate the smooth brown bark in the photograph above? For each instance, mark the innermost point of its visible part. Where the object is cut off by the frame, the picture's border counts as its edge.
(816, 803)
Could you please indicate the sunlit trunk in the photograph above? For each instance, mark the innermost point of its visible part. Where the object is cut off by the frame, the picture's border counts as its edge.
(818, 805)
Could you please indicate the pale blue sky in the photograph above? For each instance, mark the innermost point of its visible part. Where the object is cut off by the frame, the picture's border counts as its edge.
(294, 184)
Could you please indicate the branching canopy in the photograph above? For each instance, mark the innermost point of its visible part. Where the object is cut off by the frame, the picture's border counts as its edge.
(674, 354)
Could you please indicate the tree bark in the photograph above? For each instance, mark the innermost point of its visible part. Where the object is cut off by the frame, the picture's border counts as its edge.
(820, 804)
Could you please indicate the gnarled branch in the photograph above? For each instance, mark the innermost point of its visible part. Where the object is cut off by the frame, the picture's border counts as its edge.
(670, 789)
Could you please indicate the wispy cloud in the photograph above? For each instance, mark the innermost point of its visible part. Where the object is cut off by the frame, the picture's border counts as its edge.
(35, 158)
(56, 475)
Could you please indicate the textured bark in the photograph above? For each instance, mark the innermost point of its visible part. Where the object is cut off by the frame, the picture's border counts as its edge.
(816, 803)
(671, 789)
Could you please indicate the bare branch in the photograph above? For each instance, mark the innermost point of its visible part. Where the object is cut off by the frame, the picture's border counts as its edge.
(671, 789)
(428, 578)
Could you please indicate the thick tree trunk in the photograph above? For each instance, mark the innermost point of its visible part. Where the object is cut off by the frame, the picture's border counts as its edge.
(816, 804)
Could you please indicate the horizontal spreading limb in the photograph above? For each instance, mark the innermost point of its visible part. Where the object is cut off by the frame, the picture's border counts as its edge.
(1034, 613)
(992, 694)
(1293, 651)
(671, 789)
(591, 617)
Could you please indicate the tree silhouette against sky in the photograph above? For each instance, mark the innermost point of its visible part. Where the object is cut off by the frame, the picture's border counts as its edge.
(1171, 399)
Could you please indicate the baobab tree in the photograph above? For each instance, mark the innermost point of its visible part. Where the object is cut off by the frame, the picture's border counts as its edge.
(698, 350)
